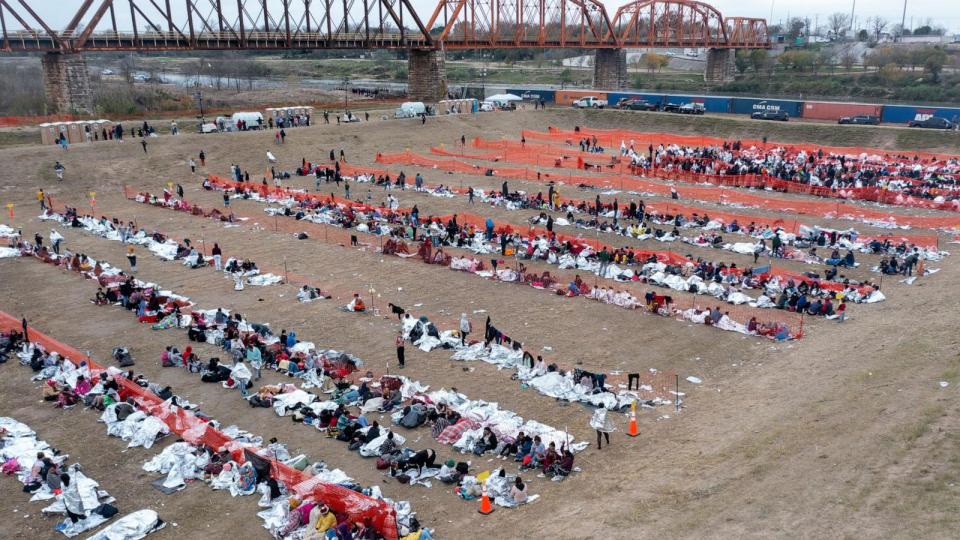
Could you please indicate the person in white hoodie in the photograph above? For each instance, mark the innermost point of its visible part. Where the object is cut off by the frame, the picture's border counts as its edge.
(55, 239)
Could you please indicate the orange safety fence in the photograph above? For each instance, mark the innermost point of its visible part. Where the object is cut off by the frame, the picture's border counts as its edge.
(613, 137)
(590, 161)
(837, 209)
(666, 257)
(196, 430)
(793, 226)
(298, 195)
(341, 236)
(872, 194)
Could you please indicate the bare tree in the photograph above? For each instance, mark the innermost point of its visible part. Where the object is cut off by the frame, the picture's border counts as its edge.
(838, 24)
(878, 24)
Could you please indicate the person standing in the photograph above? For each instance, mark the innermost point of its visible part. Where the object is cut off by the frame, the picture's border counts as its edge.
(400, 349)
(55, 240)
(203, 159)
(465, 328)
(23, 325)
(132, 258)
(217, 257)
(283, 136)
(58, 168)
(179, 191)
(346, 188)
(193, 165)
(603, 425)
(255, 359)
(143, 143)
(42, 198)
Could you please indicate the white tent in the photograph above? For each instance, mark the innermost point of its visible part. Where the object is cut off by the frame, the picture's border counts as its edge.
(503, 98)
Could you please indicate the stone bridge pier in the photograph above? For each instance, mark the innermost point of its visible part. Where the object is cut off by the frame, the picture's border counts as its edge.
(66, 83)
(426, 75)
(610, 69)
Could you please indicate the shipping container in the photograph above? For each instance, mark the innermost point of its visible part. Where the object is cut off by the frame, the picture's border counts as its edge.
(614, 97)
(567, 97)
(752, 105)
(712, 104)
(533, 94)
(901, 114)
(831, 110)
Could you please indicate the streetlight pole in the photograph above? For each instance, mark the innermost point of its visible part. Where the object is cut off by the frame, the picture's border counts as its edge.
(346, 94)
(199, 96)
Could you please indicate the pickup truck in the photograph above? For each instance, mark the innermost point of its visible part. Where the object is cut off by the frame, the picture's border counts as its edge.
(931, 123)
(590, 102)
(781, 116)
(636, 104)
(860, 119)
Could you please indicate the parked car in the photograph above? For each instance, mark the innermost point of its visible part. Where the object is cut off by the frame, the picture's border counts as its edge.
(636, 104)
(860, 119)
(782, 116)
(692, 108)
(590, 102)
(934, 122)
(672, 107)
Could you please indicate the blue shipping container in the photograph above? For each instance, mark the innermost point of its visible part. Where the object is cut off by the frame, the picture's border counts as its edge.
(712, 104)
(901, 114)
(614, 97)
(752, 105)
(548, 96)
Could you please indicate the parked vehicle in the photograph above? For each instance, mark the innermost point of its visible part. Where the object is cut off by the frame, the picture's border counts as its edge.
(672, 107)
(934, 122)
(781, 116)
(692, 108)
(860, 119)
(589, 102)
(636, 104)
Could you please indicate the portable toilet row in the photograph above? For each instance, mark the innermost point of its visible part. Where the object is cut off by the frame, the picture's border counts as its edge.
(288, 113)
(458, 106)
(75, 132)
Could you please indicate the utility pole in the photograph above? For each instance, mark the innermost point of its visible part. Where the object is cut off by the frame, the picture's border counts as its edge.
(903, 19)
(852, 11)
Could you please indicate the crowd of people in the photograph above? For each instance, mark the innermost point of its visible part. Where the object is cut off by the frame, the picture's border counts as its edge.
(908, 175)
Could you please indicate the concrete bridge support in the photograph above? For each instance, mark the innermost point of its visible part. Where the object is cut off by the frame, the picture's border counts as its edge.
(720, 66)
(426, 75)
(66, 83)
(610, 69)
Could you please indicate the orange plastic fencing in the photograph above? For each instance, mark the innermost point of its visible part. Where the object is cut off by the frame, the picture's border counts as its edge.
(195, 430)
(666, 257)
(613, 137)
(837, 209)
(872, 194)
(282, 193)
(336, 235)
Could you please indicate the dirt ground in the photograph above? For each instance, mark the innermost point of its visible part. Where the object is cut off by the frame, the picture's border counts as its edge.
(845, 433)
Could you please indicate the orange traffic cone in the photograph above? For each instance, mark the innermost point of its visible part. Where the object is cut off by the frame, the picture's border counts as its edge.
(632, 430)
(485, 507)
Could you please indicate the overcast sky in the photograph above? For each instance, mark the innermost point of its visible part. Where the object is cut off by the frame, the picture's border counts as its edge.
(939, 12)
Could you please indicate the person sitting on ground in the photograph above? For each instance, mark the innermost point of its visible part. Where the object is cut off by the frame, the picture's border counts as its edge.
(486, 443)
(561, 467)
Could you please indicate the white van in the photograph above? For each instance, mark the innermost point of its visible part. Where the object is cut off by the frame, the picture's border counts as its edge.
(410, 109)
